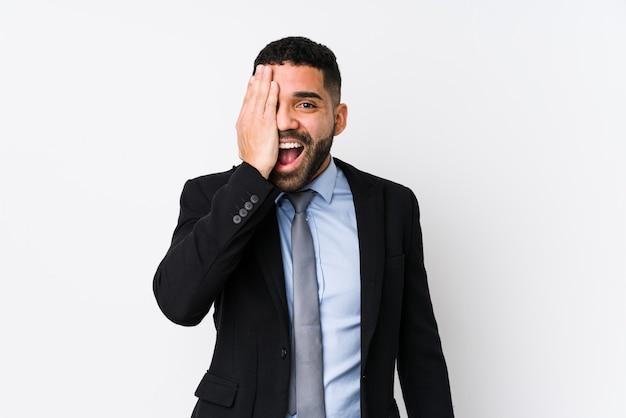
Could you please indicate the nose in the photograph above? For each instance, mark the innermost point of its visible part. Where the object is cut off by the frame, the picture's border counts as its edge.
(285, 118)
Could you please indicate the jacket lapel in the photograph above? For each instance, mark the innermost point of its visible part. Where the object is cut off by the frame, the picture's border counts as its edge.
(368, 204)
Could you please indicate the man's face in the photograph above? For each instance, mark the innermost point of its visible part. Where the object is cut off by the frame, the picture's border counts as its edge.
(307, 121)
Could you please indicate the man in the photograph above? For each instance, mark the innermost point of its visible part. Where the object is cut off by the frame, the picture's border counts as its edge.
(232, 248)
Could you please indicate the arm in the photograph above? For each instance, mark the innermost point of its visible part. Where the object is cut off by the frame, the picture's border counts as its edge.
(211, 235)
(209, 240)
(421, 364)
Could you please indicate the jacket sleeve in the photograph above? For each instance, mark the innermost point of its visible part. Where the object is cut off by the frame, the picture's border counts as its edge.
(421, 365)
(218, 215)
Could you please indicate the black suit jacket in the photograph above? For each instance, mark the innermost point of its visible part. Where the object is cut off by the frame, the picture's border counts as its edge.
(228, 257)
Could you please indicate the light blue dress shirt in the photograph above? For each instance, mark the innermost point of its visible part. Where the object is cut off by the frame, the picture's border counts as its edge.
(332, 220)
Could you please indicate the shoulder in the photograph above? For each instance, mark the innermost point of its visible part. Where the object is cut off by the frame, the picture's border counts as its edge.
(198, 192)
(362, 180)
(209, 181)
(395, 200)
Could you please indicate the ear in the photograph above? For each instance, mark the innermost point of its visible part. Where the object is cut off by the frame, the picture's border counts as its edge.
(341, 118)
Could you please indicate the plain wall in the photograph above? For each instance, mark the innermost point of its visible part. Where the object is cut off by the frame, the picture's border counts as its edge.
(507, 119)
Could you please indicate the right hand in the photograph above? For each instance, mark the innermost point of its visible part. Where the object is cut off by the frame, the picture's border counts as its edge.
(257, 133)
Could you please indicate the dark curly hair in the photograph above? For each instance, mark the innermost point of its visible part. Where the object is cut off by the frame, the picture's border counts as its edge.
(298, 50)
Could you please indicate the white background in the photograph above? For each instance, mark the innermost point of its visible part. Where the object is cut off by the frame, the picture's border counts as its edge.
(507, 119)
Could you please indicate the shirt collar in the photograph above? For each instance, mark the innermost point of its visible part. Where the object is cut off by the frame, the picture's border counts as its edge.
(324, 184)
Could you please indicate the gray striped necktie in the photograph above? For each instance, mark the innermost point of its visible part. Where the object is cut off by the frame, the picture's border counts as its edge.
(306, 386)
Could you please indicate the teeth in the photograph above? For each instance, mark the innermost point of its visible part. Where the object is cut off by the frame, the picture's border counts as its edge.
(289, 145)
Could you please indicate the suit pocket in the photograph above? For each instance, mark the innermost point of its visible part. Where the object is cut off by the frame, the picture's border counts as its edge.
(217, 390)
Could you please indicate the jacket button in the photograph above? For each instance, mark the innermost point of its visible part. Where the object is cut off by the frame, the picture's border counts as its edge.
(283, 353)
(243, 213)
(254, 198)
(248, 205)
(236, 219)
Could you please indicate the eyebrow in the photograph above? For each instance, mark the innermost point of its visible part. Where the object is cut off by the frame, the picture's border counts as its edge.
(307, 95)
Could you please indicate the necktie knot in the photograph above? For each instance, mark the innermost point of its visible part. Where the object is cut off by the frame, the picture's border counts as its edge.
(300, 200)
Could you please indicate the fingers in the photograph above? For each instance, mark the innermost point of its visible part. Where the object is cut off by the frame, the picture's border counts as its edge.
(257, 134)
(272, 101)
(257, 94)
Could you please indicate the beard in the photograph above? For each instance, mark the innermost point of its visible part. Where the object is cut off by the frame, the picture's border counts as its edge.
(315, 153)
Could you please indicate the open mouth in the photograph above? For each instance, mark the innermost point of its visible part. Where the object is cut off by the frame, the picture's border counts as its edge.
(288, 153)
